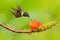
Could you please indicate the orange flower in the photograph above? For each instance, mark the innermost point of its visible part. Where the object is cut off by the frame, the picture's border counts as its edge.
(34, 24)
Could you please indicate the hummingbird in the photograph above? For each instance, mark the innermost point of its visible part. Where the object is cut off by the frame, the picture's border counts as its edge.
(19, 13)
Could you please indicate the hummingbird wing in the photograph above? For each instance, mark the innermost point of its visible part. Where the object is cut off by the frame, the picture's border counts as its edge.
(19, 8)
(17, 12)
(13, 9)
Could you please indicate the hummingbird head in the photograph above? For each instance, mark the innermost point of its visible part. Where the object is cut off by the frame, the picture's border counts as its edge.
(25, 14)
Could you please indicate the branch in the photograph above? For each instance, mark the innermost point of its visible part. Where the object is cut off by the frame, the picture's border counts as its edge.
(46, 26)
(15, 31)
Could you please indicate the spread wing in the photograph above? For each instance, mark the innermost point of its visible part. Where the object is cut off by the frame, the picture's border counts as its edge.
(16, 12)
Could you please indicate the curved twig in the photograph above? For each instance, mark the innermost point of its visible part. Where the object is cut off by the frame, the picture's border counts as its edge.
(15, 31)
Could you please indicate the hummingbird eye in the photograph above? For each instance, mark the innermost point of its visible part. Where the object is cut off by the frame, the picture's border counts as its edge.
(25, 14)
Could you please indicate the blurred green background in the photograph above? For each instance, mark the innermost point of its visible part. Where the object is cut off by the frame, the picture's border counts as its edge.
(42, 10)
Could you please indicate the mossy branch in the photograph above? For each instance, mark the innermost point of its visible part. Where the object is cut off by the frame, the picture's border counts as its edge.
(45, 27)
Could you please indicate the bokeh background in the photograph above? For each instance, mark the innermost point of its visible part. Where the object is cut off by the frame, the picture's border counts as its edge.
(41, 10)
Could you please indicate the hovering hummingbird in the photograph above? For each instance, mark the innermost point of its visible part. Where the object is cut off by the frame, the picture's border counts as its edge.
(19, 13)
